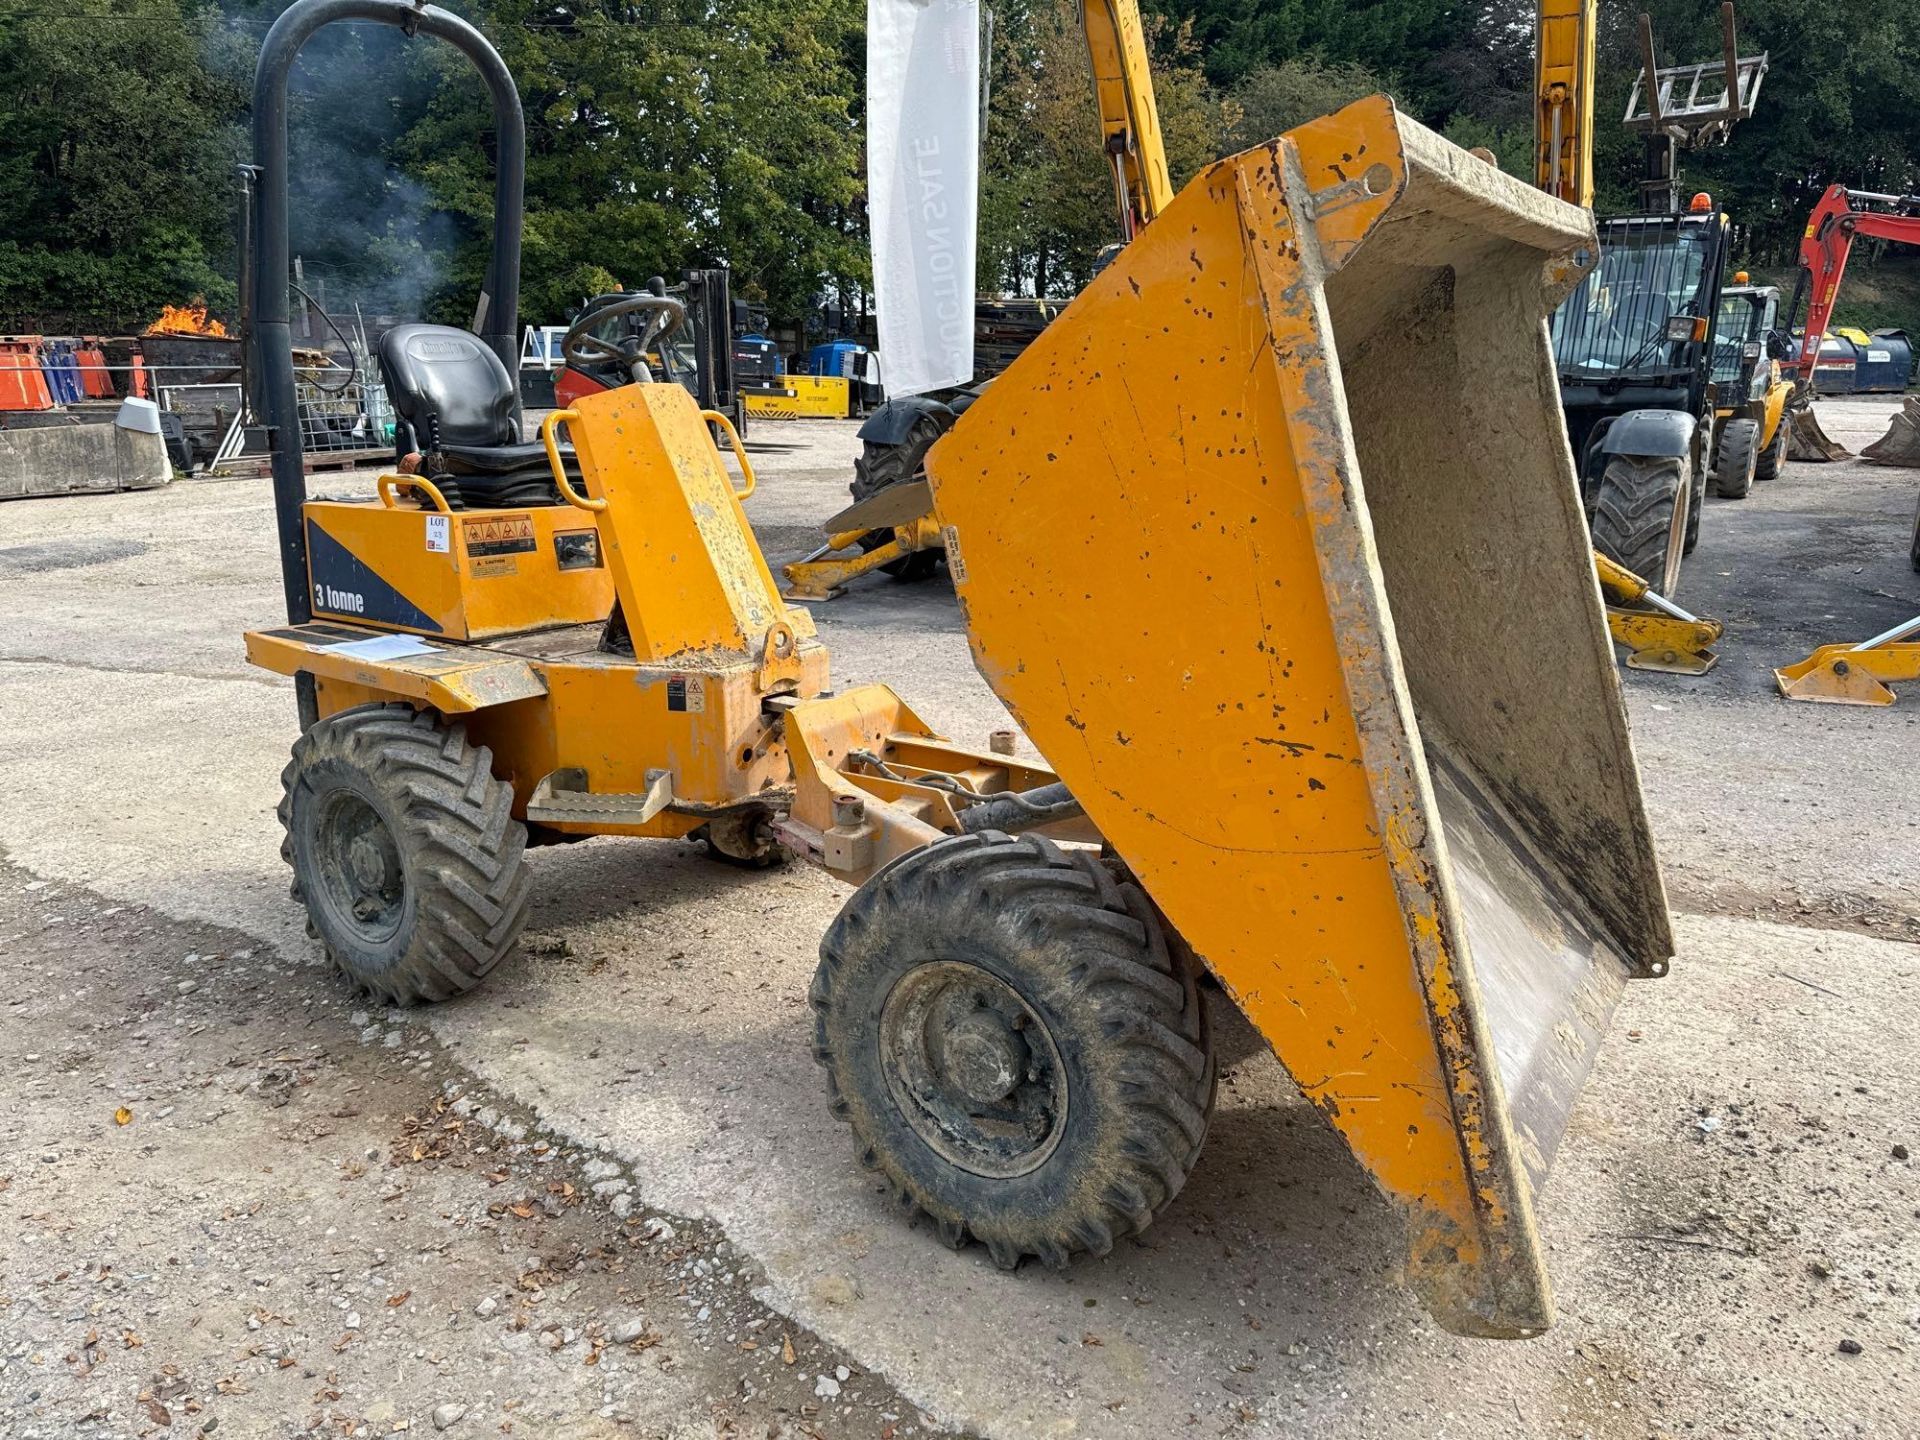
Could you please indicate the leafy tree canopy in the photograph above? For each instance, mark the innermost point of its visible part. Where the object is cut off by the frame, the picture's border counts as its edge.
(691, 132)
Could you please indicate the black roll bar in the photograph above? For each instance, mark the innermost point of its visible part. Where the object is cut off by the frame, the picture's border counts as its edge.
(499, 309)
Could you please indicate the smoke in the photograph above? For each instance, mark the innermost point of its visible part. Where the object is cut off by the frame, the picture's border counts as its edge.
(367, 230)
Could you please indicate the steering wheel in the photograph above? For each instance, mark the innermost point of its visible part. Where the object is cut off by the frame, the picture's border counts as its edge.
(1638, 313)
(582, 350)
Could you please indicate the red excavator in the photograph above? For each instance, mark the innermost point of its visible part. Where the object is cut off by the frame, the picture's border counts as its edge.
(1851, 674)
(1842, 216)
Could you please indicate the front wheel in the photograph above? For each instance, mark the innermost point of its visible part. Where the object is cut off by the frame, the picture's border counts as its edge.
(1736, 458)
(404, 851)
(1017, 1047)
(1633, 512)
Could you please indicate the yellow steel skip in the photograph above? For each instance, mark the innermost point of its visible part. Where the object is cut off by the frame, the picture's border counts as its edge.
(1280, 472)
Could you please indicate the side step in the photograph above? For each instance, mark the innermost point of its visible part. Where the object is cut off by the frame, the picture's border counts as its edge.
(564, 796)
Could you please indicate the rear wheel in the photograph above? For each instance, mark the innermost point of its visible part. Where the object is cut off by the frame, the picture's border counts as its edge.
(404, 851)
(1767, 467)
(881, 466)
(1018, 1049)
(1633, 511)
(1736, 458)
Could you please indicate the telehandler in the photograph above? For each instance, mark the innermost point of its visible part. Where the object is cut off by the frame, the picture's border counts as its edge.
(1310, 732)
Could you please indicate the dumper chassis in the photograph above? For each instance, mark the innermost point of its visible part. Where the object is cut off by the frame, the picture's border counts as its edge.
(1286, 755)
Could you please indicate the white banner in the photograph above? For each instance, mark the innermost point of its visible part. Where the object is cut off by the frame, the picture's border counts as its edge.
(923, 186)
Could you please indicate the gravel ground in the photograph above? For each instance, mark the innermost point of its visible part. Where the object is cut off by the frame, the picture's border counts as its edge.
(235, 1202)
(1732, 1220)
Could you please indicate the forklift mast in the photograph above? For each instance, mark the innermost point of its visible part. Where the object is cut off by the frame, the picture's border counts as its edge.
(1678, 108)
(709, 297)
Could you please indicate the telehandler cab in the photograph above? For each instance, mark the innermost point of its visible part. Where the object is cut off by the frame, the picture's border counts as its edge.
(1313, 735)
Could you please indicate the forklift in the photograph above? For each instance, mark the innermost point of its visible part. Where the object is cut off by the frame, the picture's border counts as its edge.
(1751, 431)
(700, 354)
(1634, 344)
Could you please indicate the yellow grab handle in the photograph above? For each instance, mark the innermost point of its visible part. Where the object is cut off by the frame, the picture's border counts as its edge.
(565, 486)
(387, 486)
(739, 450)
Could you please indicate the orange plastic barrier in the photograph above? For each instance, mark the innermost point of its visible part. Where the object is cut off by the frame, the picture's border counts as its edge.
(22, 386)
(95, 378)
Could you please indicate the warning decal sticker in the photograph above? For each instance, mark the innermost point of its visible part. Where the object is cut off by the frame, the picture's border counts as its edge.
(498, 535)
(956, 562)
(688, 694)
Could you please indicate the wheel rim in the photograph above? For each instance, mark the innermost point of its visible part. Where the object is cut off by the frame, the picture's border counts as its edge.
(973, 1069)
(362, 880)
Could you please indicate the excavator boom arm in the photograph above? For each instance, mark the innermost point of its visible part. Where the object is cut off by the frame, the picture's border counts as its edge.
(1129, 118)
(1563, 90)
(1831, 230)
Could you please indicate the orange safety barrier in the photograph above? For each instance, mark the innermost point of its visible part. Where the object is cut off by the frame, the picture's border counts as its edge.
(95, 378)
(22, 386)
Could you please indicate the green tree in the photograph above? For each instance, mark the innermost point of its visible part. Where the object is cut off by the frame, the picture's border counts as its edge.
(1407, 38)
(117, 147)
(1047, 194)
(655, 145)
(1273, 98)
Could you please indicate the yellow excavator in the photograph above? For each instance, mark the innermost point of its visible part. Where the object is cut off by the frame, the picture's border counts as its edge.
(1245, 616)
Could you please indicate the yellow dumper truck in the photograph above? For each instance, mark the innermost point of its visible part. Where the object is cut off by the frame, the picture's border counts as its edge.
(1316, 656)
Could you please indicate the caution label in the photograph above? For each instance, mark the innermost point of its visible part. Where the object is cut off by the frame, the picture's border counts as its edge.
(498, 535)
(687, 694)
(956, 562)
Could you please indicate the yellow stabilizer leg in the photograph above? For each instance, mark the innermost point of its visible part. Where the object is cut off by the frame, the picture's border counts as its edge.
(1660, 637)
(1854, 674)
(906, 510)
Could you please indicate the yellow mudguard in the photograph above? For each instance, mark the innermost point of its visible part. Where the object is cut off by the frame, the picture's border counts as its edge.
(1273, 544)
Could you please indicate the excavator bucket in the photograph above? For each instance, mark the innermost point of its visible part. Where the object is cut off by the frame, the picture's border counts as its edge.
(1901, 444)
(1805, 439)
(1273, 544)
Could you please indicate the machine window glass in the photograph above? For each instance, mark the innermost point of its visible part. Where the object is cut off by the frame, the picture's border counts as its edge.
(1649, 272)
(1739, 322)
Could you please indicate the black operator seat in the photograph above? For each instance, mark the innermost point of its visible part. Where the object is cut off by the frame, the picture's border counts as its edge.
(453, 402)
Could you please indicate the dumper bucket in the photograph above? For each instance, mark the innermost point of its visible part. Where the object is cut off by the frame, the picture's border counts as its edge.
(1273, 544)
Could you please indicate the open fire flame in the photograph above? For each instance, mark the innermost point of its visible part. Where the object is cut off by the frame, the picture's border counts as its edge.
(187, 320)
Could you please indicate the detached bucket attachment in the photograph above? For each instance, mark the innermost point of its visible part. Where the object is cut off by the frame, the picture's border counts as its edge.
(1901, 444)
(1805, 439)
(1273, 543)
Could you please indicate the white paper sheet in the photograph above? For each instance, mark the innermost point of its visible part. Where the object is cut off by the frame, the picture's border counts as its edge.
(383, 647)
